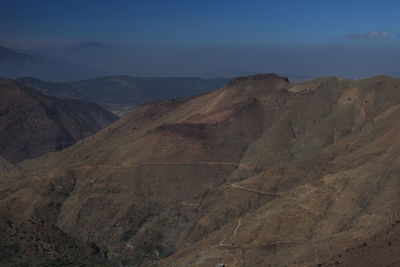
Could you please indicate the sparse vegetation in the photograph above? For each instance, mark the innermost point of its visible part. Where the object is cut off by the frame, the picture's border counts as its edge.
(259, 169)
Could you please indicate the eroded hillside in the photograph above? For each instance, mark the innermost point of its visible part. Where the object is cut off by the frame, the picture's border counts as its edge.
(32, 124)
(260, 172)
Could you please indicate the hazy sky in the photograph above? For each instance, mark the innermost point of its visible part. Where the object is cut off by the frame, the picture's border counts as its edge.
(295, 32)
(226, 22)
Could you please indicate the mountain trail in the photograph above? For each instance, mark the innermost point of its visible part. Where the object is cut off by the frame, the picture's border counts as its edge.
(160, 163)
(237, 227)
(255, 191)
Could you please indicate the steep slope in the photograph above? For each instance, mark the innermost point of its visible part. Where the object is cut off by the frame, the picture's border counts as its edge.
(381, 250)
(260, 172)
(28, 241)
(32, 124)
(121, 94)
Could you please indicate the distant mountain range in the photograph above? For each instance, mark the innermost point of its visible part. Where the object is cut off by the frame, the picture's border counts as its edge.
(8, 55)
(15, 64)
(120, 94)
(32, 124)
(90, 46)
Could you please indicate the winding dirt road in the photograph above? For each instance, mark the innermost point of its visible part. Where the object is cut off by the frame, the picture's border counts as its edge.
(254, 190)
(218, 163)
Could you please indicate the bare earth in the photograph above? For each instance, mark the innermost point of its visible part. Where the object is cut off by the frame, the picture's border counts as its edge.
(261, 172)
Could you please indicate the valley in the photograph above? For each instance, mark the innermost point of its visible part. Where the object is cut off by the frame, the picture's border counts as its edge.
(121, 94)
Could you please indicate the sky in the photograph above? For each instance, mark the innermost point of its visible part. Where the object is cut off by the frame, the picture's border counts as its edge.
(222, 22)
(291, 30)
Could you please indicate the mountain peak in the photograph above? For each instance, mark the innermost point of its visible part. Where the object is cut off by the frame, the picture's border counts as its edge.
(268, 77)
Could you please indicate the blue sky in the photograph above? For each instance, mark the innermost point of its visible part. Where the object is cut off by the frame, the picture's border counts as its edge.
(189, 38)
(204, 22)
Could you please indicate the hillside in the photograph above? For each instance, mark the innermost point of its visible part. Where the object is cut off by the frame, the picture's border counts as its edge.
(120, 94)
(32, 124)
(260, 172)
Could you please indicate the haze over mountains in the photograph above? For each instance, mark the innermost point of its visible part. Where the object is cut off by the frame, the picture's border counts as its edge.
(15, 64)
(261, 171)
(49, 61)
(85, 60)
(120, 94)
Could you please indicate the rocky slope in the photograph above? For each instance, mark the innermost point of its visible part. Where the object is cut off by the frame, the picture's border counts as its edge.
(261, 172)
(30, 241)
(32, 124)
(121, 94)
(381, 250)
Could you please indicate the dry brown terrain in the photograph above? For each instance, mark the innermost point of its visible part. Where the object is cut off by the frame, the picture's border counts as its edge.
(258, 173)
(381, 250)
(32, 124)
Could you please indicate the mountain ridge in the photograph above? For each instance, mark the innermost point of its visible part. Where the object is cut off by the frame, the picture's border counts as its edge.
(122, 93)
(260, 171)
(32, 123)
